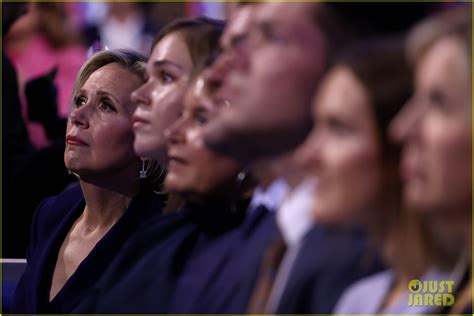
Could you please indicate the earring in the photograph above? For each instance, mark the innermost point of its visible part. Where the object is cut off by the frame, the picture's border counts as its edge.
(241, 176)
(143, 171)
(73, 174)
(239, 181)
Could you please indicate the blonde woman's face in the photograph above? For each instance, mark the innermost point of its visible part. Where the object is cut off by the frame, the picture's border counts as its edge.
(99, 137)
(435, 129)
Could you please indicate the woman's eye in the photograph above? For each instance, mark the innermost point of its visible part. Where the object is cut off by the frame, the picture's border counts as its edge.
(201, 119)
(438, 100)
(338, 127)
(107, 106)
(272, 36)
(79, 101)
(166, 77)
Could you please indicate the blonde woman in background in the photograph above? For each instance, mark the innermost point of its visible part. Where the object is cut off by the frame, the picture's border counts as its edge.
(435, 130)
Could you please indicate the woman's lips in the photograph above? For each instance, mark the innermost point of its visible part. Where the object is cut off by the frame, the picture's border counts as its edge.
(139, 121)
(74, 140)
(176, 160)
(409, 166)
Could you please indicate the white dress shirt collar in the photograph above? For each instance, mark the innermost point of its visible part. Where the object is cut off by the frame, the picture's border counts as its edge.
(272, 197)
(294, 218)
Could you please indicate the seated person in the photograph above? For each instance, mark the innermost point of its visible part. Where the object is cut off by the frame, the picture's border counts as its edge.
(76, 234)
(181, 260)
(435, 130)
(356, 165)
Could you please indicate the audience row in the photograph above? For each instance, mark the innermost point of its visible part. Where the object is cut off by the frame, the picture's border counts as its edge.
(282, 163)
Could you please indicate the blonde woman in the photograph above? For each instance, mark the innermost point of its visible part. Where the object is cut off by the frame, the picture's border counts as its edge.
(76, 234)
(435, 130)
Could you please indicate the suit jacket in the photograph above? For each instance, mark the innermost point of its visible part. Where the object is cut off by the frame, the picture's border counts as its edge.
(51, 224)
(327, 263)
(221, 279)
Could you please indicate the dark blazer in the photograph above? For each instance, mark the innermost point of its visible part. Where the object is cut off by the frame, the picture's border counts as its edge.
(221, 279)
(326, 264)
(145, 276)
(51, 224)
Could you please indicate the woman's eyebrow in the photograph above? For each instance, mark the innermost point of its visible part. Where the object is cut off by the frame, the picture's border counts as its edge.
(161, 63)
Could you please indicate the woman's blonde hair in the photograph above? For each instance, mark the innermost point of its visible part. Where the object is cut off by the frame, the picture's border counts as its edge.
(128, 59)
(456, 22)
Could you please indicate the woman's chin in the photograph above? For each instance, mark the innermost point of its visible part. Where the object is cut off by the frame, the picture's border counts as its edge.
(146, 150)
(173, 184)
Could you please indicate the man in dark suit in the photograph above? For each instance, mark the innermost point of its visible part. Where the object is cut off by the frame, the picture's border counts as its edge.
(276, 64)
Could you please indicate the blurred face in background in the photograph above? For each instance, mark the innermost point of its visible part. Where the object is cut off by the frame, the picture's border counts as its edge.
(99, 137)
(194, 169)
(343, 151)
(11, 12)
(25, 24)
(160, 98)
(435, 130)
(270, 84)
(232, 42)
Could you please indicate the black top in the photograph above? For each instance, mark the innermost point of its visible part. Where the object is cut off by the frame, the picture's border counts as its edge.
(52, 222)
(144, 277)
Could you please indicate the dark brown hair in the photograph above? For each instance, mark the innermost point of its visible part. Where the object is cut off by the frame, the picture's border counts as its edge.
(201, 35)
(380, 65)
(335, 29)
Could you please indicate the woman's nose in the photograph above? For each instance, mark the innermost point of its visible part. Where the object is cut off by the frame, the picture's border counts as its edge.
(406, 121)
(216, 74)
(79, 117)
(175, 133)
(307, 154)
(142, 95)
